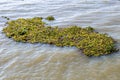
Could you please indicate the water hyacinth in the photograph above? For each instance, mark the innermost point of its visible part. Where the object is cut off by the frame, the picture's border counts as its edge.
(34, 30)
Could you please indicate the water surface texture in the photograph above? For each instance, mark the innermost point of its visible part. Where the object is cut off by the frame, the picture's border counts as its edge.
(24, 61)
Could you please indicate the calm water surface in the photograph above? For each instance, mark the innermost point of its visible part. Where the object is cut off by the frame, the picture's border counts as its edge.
(24, 61)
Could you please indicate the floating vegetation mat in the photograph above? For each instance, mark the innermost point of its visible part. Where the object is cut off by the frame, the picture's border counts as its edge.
(34, 30)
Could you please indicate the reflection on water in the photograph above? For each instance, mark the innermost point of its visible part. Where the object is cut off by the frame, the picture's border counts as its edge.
(24, 61)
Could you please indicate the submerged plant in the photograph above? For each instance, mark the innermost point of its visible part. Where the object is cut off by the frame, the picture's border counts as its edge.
(34, 30)
(5, 17)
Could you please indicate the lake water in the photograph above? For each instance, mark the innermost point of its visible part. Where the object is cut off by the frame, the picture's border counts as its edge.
(24, 61)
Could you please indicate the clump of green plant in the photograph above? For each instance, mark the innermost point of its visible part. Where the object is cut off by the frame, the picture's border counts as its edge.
(34, 30)
(50, 18)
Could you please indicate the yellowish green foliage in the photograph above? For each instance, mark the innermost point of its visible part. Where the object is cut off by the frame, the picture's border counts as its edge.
(33, 30)
(50, 18)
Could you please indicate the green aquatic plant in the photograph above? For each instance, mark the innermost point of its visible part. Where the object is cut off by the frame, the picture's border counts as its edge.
(34, 30)
(50, 18)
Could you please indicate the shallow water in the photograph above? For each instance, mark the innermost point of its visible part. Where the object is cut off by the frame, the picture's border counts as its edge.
(24, 61)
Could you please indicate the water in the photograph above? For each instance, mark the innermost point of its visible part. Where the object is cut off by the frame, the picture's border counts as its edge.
(24, 61)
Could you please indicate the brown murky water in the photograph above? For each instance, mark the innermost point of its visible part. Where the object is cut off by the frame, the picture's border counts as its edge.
(24, 61)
